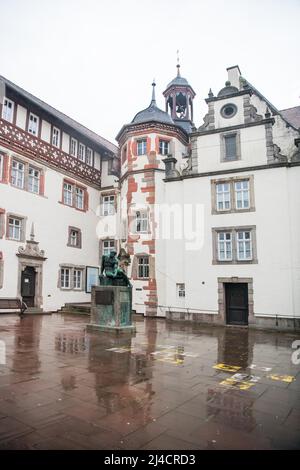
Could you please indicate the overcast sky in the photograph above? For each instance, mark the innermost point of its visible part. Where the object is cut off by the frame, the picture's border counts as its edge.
(95, 59)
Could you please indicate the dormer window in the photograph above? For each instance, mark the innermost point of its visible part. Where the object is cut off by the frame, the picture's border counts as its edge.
(73, 147)
(33, 124)
(81, 152)
(8, 110)
(89, 156)
(56, 137)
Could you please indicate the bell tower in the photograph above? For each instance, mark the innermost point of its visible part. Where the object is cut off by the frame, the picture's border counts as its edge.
(179, 97)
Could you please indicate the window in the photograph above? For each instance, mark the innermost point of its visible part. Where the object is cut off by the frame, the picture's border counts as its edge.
(142, 147)
(224, 246)
(65, 278)
(77, 279)
(244, 248)
(79, 198)
(143, 267)
(108, 246)
(229, 110)
(56, 137)
(68, 194)
(8, 110)
(17, 174)
(33, 124)
(233, 195)
(33, 180)
(108, 205)
(141, 221)
(124, 154)
(234, 245)
(180, 290)
(163, 147)
(230, 147)
(242, 194)
(14, 228)
(71, 277)
(74, 237)
(81, 152)
(89, 156)
(73, 147)
(223, 196)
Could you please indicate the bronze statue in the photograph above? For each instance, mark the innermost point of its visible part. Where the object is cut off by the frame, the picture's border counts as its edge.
(114, 275)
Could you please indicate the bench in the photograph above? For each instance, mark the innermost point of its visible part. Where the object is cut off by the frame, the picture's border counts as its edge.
(12, 304)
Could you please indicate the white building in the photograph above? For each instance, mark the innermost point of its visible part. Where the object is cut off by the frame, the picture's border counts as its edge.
(236, 178)
(227, 193)
(51, 170)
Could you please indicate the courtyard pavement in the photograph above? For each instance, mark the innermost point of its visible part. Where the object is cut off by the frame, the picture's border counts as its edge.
(171, 386)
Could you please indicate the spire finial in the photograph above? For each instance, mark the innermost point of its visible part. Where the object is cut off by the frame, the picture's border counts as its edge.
(32, 232)
(178, 64)
(153, 92)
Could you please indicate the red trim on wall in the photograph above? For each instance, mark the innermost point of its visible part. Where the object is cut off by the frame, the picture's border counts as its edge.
(42, 183)
(148, 145)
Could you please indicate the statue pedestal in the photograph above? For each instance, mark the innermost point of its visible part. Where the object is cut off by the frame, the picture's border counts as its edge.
(111, 310)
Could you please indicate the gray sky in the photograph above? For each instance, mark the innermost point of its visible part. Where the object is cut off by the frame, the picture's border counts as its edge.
(95, 59)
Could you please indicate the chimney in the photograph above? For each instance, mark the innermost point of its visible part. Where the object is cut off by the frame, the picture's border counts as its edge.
(234, 74)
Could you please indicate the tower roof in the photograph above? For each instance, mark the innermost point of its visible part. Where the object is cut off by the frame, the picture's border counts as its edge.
(152, 113)
(179, 81)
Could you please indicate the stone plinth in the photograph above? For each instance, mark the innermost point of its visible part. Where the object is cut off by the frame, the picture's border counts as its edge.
(111, 309)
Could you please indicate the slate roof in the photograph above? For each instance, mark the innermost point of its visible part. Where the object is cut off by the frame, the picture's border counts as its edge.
(292, 115)
(97, 139)
(152, 113)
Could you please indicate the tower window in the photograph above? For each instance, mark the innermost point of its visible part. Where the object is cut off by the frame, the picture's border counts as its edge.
(143, 267)
(229, 110)
(163, 147)
(230, 147)
(142, 147)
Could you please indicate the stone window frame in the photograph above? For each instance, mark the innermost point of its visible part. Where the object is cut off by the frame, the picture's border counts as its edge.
(72, 267)
(236, 133)
(233, 230)
(146, 211)
(231, 181)
(74, 185)
(28, 165)
(135, 263)
(79, 239)
(234, 106)
(23, 220)
(167, 141)
(139, 140)
(101, 243)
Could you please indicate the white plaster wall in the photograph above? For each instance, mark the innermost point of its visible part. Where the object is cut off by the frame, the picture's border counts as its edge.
(21, 117)
(65, 144)
(106, 179)
(51, 220)
(46, 131)
(253, 150)
(238, 118)
(276, 277)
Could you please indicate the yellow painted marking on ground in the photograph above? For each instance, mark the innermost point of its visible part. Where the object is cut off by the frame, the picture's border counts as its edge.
(282, 378)
(226, 367)
(236, 384)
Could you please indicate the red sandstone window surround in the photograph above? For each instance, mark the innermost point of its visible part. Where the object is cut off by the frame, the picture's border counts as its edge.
(24, 175)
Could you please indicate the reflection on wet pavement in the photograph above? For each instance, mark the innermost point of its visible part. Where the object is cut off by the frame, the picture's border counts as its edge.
(170, 386)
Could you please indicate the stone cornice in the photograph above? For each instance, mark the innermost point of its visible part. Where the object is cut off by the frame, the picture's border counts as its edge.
(151, 126)
(247, 91)
(143, 170)
(232, 128)
(233, 170)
